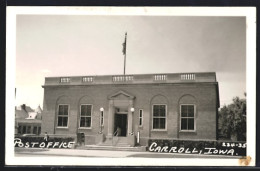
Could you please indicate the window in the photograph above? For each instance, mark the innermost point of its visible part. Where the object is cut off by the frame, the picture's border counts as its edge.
(35, 130)
(24, 130)
(187, 117)
(63, 115)
(85, 115)
(102, 118)
(19, 129)
(159, 116)
(141, 117)
(28, 129)
(39, 130)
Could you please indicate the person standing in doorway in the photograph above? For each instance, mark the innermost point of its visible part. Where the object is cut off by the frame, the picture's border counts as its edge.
(118, 131)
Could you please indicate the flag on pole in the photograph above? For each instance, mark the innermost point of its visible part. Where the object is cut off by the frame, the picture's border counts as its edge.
(124, 45)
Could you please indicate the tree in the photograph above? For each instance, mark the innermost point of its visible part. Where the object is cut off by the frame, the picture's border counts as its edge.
(232, 120)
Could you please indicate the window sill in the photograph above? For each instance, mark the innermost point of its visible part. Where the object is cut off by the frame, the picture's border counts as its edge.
(159, 130)
(84, 128)
(187, 131)
(62, 127)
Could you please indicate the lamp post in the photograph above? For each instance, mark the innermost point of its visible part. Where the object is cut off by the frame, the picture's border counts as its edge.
(101, 118)
(132, 110)
(131, 137)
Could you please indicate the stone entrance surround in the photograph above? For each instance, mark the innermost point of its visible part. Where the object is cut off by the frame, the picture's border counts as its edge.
(117, 100)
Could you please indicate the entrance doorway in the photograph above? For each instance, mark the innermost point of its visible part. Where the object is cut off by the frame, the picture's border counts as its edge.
(121, 122)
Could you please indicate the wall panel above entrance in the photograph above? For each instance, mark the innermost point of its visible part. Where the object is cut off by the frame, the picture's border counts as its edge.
(121, 95)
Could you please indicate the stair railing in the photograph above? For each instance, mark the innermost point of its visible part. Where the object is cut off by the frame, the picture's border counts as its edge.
(114, 138)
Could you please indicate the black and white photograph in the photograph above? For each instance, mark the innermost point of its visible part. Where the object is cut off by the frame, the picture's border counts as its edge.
(131, 86)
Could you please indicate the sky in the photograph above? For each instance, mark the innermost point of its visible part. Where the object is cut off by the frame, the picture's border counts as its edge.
(78, 45)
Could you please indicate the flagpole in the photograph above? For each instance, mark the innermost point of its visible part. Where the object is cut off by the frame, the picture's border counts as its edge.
(124, 51)
(124, 63)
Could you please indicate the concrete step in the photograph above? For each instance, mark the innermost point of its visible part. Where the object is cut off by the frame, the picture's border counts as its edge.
(122, 141)
(122, 145)
(107, 142)
(117, 141)
(110, 144)
(122, 138)
(112, 148)
(118, 144)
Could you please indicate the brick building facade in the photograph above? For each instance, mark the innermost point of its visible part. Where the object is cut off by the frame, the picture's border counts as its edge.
(138, 107)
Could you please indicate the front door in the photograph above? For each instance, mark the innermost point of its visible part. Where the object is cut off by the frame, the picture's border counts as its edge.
(121, 122)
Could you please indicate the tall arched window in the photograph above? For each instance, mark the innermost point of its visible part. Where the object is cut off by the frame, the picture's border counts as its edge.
(187, 117)
(63, 112)
(187, 113)
(159, 116)
(63, 115)
(159, 112)
(85, 112)
(85, 115)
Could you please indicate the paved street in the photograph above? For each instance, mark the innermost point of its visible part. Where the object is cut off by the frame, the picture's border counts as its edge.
(34, 152)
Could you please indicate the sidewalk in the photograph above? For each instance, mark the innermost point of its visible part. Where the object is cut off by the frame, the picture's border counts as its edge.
(22, 152)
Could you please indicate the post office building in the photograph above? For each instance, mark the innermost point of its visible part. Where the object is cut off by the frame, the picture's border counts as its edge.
(132, 108)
